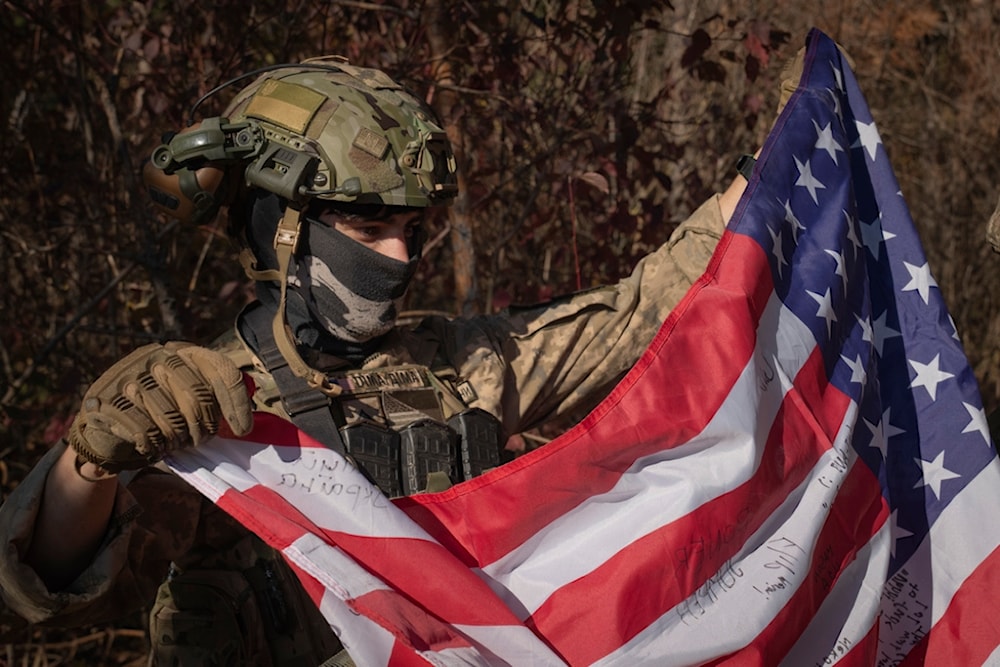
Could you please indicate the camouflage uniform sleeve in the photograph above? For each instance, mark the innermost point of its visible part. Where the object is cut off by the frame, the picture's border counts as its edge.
(533, 365)
(156, 518)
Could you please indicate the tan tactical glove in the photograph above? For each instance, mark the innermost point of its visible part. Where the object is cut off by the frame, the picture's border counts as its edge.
(157, 399)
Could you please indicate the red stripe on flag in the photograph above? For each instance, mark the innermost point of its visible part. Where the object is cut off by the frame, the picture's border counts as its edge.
(269, 515)
(273, 430)
(313, 586)
(414, 626)
(969, 631)
(628, 602)
(691, 378)
(404, 656)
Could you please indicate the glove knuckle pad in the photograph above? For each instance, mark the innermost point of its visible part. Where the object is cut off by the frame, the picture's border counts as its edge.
(130, 418)
(228, 392)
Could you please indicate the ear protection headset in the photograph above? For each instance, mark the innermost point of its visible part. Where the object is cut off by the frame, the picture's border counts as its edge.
(186, 177)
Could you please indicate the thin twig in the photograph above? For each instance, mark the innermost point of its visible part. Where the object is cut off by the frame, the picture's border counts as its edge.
(438, 238)
(410, 14)
(573, 223)
(66, 328)
(201, 260)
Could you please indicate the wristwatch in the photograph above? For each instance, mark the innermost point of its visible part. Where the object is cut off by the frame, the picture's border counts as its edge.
(745, 164)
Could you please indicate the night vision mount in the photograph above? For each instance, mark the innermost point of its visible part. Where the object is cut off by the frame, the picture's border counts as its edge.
(188, 176)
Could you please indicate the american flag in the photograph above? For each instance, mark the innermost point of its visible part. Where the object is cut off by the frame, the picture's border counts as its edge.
(798, 471)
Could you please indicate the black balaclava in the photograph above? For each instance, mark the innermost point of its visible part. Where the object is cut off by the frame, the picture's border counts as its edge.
(342, 296)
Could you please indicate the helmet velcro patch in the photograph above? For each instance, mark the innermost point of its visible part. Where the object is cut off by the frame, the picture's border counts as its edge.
(372, 143)
(286, 104)
(379, 174)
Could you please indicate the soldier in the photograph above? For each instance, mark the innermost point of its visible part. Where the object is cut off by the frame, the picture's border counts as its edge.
(326, 169)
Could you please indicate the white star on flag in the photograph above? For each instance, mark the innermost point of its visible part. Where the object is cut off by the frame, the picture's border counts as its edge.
(883, 332)
(887, 426)
(881, 432)
(874, 235)
(929, 376)
(978, 423)
(878, 437)
(807, 180)
(825, 307)
(868, 137)
(826, 142)
(896, 531)
(835, 100)
(867, 333)
(793, 221)
(857, 369)
(852, 234)
(954, 328)
(934, 473)
(777, 250)
(921, 280)
(838, 257)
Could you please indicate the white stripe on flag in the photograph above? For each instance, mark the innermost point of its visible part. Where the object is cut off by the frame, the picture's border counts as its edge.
(339, 573)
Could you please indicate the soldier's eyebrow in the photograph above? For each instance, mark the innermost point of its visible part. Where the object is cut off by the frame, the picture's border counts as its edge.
(365, 212)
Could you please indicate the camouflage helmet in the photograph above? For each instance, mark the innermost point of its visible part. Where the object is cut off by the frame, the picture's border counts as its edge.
(317, 129)
(368, 139)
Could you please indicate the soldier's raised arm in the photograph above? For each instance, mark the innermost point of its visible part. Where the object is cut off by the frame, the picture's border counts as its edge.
(156, 399)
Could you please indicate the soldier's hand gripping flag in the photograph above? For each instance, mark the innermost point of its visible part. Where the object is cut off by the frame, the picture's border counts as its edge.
(798, 471)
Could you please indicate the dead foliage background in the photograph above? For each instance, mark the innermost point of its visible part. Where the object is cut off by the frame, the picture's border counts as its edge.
(587, 131)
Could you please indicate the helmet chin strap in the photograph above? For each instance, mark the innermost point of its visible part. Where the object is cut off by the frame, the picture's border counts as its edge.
(286, 239)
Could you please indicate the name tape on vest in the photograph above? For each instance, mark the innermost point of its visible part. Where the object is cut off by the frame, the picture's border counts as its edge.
(379, 380)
